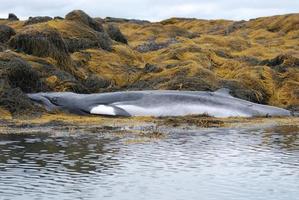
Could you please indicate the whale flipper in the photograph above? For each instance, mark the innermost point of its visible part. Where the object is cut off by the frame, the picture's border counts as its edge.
(109, 110)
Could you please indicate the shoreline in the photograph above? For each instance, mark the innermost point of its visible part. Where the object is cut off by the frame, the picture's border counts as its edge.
(51, 123)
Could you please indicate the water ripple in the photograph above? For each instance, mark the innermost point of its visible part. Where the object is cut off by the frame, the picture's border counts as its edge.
(204, 164)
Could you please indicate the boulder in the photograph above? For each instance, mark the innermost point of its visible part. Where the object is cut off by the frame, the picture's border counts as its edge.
(17, 78)
(82, 17)
(12, 17)
(100, 40)
(58, 18)
(95, 83)
(150, 68)
(45, 43)
(152, 45)
(122, 20)
(35, 20)
(5, 33)
(21, 75)
(17, 103)
(115, 34)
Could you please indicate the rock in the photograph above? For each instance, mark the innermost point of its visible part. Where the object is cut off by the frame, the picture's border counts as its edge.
(35, 20)
(115, 34)
(152, 45)
(285, 60)
(17, 78)
(12, 17)
(94, 83)
(149, 68)
(58, 18)
(101, 40)
(17, 103)
(82, 17)
(5, 33)
(235, 26)
(239, 90)
(122, 20)
(45, 43)
(21, 75)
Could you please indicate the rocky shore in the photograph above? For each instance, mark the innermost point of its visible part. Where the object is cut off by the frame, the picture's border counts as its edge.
(257, 59)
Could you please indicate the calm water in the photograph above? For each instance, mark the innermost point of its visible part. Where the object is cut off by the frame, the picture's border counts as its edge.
(205, 164)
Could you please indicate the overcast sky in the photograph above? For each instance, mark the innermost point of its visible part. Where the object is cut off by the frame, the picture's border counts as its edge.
(153, 10)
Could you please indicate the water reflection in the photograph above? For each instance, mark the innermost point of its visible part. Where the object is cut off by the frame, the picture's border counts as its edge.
(215, 163)
(285, 137)
(78, 153)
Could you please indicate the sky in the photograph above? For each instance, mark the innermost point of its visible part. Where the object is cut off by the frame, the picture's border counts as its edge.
(153, 10)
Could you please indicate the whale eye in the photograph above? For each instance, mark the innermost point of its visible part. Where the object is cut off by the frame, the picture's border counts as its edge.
(54, 101)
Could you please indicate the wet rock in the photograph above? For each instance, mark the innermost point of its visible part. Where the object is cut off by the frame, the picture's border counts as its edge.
(36, 20)
(17, 103)
(122, 20)
(285, 60)
(58, 18)
(101, 40)
(62, 81)
(239, 90)
(12, 17)
(5, 33)
(223, 54)
(235, 26)
(152, 45)
(149, 68)
(252, 61)
(147, 84)
(115, 34)
(45, 43)
(82, 17)
(21, 75)
(94, 83)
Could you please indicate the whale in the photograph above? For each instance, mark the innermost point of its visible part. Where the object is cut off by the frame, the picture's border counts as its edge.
(156, 103)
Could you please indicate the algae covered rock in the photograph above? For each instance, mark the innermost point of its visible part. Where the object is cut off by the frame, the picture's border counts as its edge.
(36, 20)
(81, 17)
(16, 79)
(5, 33)
(100, 40)
(42, 43)
(115, 34)
(21, 75)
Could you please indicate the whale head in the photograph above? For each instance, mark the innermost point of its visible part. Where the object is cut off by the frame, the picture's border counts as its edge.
(53, 100)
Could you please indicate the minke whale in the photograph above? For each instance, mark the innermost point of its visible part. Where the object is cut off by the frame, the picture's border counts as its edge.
(156, 103)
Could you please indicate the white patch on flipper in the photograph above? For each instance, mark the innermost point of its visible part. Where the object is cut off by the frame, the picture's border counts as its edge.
(103, 110)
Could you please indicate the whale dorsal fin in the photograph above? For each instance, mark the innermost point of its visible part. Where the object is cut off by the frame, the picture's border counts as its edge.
(224, 91)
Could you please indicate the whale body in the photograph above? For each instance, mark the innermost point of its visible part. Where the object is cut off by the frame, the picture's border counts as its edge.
(156, 103)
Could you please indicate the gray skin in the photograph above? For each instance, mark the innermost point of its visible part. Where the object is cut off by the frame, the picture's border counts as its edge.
(156, 103)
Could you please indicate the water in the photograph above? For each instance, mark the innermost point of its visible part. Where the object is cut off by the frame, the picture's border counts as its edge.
(204, 164)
